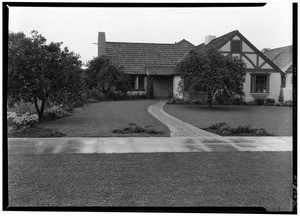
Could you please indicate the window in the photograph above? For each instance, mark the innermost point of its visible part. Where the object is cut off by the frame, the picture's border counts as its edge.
(260, 83)
(141, 86)
(236, 46)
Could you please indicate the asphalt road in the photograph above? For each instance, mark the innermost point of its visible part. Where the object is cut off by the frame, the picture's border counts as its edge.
(261, 179)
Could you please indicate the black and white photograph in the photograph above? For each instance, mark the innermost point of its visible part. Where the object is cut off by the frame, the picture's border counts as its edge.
(165, 107)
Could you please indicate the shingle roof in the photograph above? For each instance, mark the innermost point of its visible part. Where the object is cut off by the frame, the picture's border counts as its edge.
(281, 56)
(161, 70)
(135, 57)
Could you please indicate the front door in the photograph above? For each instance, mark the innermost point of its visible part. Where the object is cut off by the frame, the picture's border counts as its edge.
(162, 86)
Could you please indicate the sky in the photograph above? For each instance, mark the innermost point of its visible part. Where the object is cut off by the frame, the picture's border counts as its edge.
(265, 27)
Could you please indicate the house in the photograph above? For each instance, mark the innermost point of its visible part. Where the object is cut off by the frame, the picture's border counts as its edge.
(152, 65)
(147, 60)
(282, 57)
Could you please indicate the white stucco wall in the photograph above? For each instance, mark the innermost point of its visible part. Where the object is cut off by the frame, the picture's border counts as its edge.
(226, 47)
(246, 48)
(176, 80)
(288, 90)
(275, 83)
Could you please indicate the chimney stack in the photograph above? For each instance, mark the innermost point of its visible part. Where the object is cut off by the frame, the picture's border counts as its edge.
(209, 38)
(101, 44)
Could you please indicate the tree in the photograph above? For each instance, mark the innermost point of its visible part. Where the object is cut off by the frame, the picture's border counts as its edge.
(41, 73)
(211, 73)
(102, 75)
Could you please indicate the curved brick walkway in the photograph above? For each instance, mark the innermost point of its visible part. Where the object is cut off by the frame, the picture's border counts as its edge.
(177, 127)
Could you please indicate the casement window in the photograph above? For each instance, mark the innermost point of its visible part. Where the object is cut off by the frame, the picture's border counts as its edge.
(236, 46)
(141, 86)
(260, 83)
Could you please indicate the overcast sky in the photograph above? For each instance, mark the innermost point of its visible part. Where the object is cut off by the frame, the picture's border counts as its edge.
(269, 26)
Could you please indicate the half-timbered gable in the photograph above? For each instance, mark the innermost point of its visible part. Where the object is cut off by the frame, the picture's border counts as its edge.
(263, 77)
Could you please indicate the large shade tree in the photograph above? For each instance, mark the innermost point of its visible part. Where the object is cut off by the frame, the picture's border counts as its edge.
(104, 76)
(210, 73)
(39, 72)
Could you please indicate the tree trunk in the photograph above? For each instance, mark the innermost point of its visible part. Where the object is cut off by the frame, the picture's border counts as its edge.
(40, 111)
(209, 98)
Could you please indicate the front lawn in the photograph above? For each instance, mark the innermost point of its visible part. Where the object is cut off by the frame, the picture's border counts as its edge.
(275, 120)
(261, 179)
(101, 119)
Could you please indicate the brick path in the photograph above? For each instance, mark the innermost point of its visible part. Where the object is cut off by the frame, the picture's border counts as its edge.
(177, 127)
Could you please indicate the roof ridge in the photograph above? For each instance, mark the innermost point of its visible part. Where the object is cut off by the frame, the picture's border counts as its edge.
(284, 47)
(184, 40)
(141, 43)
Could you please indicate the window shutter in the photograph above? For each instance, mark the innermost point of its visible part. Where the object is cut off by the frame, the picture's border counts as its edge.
(253, 83)
(283, 84)
(268, 83)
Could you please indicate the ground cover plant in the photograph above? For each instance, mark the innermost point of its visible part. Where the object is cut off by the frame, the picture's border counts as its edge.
(134, 128)
(224, 129)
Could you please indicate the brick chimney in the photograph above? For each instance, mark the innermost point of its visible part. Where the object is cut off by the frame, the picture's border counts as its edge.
(101, 44)
(209, 38)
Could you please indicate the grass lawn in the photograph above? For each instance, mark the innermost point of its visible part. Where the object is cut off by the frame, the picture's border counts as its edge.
(257, 179)
(276, 120)
(99, 119)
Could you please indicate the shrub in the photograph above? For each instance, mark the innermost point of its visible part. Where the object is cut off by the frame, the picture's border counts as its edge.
(270, 101)
(22, 108)
(280, 97)
(56, 112)
(37, 132)
(17, 123)
(134, 128)
(259, 101)
(218, 125)
(175, 100)
(288, 103)
(224, 129)
(91, 100)
(94, 94)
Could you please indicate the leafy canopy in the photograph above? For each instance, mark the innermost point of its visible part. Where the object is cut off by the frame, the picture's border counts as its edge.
(211, 73)
(102, 75)
(40, 72)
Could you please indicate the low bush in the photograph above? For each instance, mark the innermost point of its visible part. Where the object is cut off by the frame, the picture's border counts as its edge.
(134, 128)
(224, 129)
(37, 132)
(175, 100)
(288, 103)
(22, 108)
(56, 112)
(270, 101)
(17, 123)
(259, 101)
